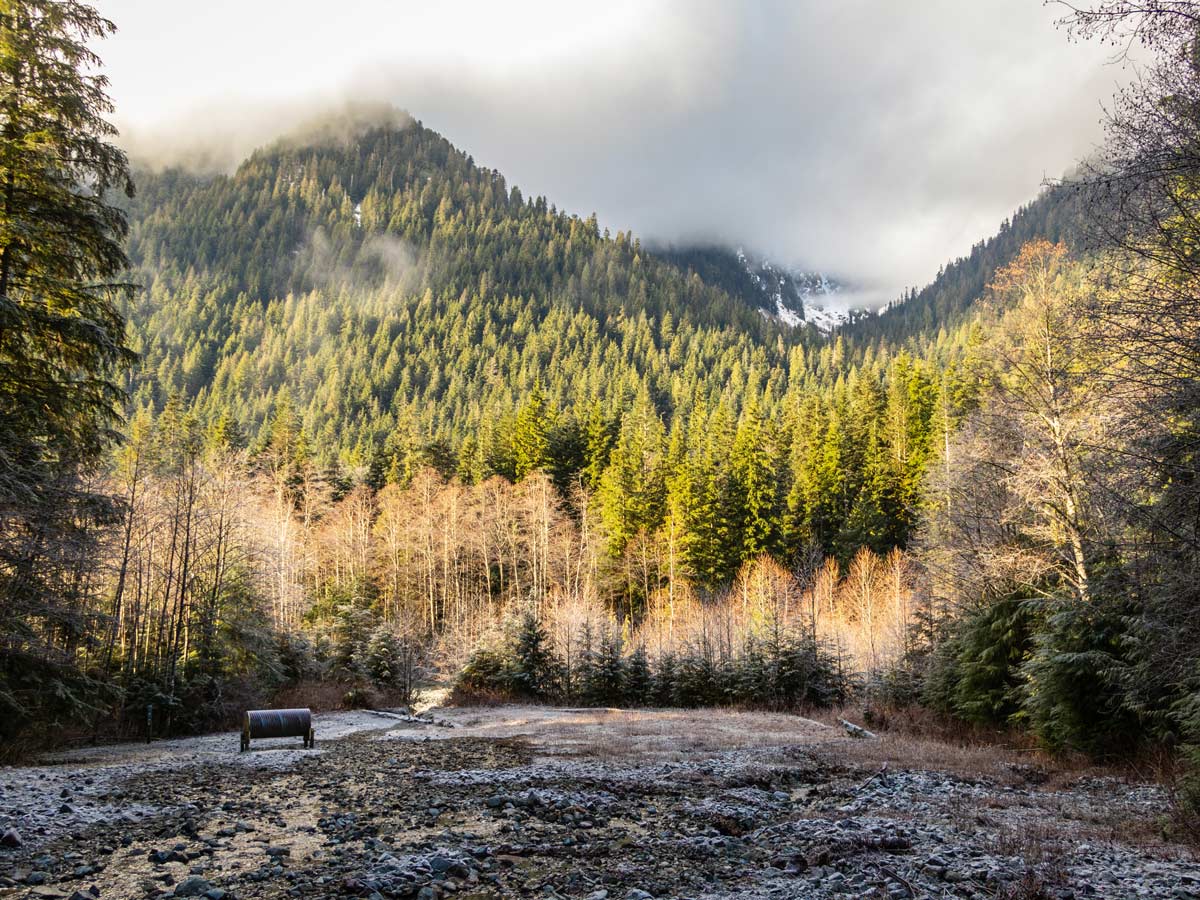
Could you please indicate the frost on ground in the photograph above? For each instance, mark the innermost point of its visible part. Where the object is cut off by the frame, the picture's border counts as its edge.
(523, 801)
(75, 789)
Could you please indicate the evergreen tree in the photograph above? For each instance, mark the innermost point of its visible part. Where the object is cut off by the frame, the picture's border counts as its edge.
(1072, 695)
(600, 438)
(534, 667)
(638, 680)
(604, 684)
(531, 435)
(383, 658)
(664, 686)
(824, 487)
(62, 337)
(756, 486)
(633, 487)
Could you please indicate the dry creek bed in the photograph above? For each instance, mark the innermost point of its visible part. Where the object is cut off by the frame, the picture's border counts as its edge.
(602, 805)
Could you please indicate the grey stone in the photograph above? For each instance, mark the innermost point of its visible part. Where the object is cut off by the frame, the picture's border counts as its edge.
(192, 886)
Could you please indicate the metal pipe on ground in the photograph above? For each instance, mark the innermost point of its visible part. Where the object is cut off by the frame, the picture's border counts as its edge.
(277, 723)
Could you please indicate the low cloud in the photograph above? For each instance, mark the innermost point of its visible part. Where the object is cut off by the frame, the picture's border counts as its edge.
(381, 260)
(216, 139)
(871, 141)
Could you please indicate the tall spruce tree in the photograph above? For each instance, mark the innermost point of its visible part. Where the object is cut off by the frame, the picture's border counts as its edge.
(756, 485)
(633, 487)
(531, 434)
(61, 331)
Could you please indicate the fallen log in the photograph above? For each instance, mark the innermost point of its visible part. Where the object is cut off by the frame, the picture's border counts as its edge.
(856, 731)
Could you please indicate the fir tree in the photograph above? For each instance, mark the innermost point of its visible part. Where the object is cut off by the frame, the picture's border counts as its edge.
(664, 686)
(534, 667)
(638, 680)
(604, 684)
(531, 435)
(633, 487)
(62, 335)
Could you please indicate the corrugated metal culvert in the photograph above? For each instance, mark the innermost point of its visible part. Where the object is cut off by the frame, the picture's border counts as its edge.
(277, 723)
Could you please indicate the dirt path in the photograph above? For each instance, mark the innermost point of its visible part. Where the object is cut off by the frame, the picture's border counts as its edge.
(523, 801)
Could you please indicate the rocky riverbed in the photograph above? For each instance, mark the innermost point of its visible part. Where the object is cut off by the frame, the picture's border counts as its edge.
(540, 803)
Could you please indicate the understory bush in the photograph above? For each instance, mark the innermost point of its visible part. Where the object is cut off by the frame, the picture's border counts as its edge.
(1186, 800)
(976, 673)
(1055, 668)
(1071, 696)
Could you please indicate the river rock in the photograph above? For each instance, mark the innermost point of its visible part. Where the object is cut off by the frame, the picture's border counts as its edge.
(192, 886)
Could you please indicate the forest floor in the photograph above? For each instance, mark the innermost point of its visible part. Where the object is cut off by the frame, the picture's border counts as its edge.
(535, 802)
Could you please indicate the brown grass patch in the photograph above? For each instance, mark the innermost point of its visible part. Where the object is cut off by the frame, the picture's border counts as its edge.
(915, 738)
(637, 734)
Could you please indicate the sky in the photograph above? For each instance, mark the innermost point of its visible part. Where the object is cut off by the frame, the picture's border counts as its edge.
(867, 139)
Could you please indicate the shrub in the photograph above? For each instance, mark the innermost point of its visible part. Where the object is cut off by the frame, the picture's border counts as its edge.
(1072, 698)
(976, 674)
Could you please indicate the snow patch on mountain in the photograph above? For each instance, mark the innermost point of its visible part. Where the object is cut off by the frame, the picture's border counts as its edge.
(797, 297)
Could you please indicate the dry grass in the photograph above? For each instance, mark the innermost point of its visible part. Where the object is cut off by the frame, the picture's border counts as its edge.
(914, 738)
(640, 734)
(902, 751)
(907, 739)
(908, 742)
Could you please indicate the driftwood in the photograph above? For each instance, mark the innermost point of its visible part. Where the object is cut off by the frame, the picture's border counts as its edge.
(856, 731)
(881, 776)
(413, 719)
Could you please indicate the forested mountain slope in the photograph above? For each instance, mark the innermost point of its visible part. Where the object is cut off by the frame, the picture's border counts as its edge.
(263, 229)
(385, 278)
(1058, 214)
(401, 307)
(791, 297)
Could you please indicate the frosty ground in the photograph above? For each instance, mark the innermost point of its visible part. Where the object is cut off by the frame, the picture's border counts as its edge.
(537, 802)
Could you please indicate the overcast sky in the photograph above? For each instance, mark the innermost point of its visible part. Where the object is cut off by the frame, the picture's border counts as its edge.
(868, 140)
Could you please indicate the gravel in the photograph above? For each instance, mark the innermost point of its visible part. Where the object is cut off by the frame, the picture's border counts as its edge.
(478, 818)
